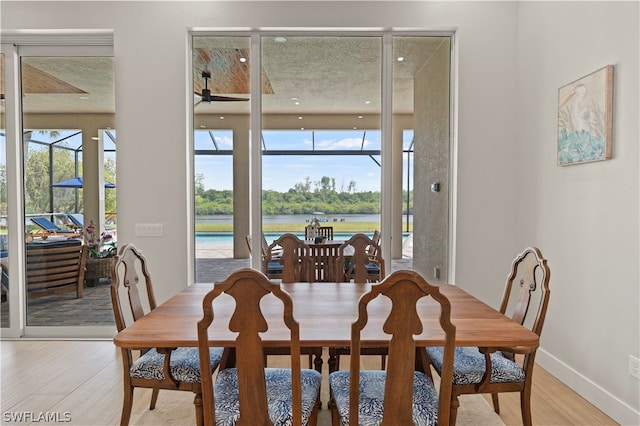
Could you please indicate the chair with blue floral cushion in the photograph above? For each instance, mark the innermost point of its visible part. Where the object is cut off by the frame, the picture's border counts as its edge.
(249, 393)
(477, 370)
(162, 368)
(399, 395)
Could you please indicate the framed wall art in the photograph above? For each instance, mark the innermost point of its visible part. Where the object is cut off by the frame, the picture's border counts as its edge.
(585, 118)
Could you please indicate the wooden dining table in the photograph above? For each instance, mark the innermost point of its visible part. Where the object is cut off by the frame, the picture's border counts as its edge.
(325, 312)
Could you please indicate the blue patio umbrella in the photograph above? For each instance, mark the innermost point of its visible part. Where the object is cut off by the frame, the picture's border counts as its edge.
(77, 183)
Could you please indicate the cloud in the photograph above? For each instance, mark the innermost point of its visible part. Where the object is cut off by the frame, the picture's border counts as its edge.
(344, 143)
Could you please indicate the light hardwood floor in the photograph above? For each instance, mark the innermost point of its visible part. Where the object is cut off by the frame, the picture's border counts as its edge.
(83, 379)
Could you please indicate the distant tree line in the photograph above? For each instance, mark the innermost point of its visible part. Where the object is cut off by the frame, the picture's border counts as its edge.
(303, 198)
(37, 184)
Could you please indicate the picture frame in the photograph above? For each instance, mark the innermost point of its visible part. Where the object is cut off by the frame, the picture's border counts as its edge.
(585, 118)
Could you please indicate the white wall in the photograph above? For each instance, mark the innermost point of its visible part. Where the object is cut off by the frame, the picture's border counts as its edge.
(496, 154)
(583, 217)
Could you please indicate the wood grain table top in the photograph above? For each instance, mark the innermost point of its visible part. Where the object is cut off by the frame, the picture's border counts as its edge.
(325, 312)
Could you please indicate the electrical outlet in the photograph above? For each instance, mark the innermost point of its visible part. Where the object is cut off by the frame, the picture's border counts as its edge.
(634, 366)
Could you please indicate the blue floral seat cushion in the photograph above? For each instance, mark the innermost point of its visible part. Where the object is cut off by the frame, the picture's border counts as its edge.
(278, 380)
(425, 397)
(185, 364)
(469, 366)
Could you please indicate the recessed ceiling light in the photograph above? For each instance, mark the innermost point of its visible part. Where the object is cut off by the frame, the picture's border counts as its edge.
(355, 128)
(400, 58)
(297, 103)
(84, 97)
(367, 102)
(221, 117)
(243, 59)
(280, 39)
(300, 118)
(94, 138)
(359, 116)
(301, 128)
(202, 126)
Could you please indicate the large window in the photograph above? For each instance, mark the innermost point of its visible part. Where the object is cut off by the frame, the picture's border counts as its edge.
(329, 139)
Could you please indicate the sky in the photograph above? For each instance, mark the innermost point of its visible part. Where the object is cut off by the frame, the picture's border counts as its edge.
(282, 172)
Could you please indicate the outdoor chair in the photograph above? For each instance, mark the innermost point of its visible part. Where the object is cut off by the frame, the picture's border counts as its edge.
(398, 395)
(77, 221)
(169, 368)
(55, 267)
(360, 259)
(478, 371)
(50, 227)
(273, 266)
(296, 263)
(250, 393)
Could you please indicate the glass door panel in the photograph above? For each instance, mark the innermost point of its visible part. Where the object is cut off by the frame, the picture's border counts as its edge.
(221, 85)
(321, 133)
(4, 240)
(421, 74)
(58, 202)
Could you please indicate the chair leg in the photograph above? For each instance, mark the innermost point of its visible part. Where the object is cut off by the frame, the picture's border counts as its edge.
(154, 398)
(496, 405)
(453, 411)
(525, 406)
(197, 401)
(127, 404)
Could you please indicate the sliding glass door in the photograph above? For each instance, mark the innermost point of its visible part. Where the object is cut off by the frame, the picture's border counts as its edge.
(62, 103)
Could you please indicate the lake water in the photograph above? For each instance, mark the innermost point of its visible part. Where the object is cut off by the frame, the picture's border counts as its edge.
(212, 238)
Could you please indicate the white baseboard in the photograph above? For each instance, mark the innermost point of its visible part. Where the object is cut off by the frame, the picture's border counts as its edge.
(606, 402)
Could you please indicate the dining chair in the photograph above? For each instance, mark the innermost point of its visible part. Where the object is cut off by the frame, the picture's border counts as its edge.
(296, 266)
(399, 395)
(476, 370)
(167, 368)
(272, 266)
(250, 393)
(372, 251)
(360, 259)
(326, 232)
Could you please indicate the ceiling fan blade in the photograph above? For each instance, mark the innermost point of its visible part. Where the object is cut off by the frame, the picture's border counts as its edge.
(208, 97)
(217, 98)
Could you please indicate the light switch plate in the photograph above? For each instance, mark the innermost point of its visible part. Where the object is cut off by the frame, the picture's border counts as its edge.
(148, 230)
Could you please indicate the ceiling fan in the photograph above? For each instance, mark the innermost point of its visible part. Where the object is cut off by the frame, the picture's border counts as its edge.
(206, 95)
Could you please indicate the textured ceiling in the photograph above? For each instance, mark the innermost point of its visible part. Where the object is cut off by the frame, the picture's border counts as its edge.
(325, 75)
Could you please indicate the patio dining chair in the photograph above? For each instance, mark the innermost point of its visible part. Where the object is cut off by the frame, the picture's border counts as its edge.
(476, 371)
(168, 368)
(250, 393)
(399, 395)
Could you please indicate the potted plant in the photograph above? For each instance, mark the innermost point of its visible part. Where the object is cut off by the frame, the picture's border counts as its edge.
(101, 249)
